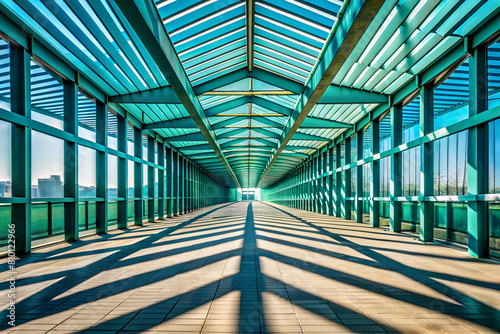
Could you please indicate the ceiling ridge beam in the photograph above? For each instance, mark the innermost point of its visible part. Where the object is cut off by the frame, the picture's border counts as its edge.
(250, 23)
(160, 95)
(335, 94)
(178, 123)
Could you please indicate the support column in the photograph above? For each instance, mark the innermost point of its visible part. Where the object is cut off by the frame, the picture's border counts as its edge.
(426, 164)
(182, 185)
(138, 178)
(477, 156)
(20, 86)
(358, 204)
(122, 174)
(71, 162)
(375, 175)
(331, 182)
(101, 207)
(161, 181)
(151, 180)
(170, 182)
(396, 167)
(176, 183)
(346, 184)
(338, 184)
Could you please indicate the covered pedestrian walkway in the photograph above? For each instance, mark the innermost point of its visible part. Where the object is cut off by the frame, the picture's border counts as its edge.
(256, 267)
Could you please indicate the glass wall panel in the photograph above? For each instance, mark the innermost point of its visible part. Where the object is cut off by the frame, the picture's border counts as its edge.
(47, 166)
(494, 219)
(450, 165)
(411, 119)
(354, 175)
(145, 181)
(5, 220)
(494, 74)
(354, 148)
(385, 133)
(4, 75)
(47, 100)
(112, 131)
(411, 172)
(86, 172)
(130, 180)
(367, 147)
(86, 215)
(112, 176)
(494, 157)
(5, 159)
(451, 98)
(86, 118)
(367, 172)
(130, 140)
(385, 177)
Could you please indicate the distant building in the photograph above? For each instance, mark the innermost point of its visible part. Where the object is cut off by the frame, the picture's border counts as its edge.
(34, 191)
(5, 189)
(51, 187)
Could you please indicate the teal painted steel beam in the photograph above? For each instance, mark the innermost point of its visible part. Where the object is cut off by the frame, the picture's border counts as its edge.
(221, 81)
(250, 28)
(149, 28)
(160, 95)
(266, 132)
(345, 95)
(138, 177)
(426, 208)
(179, 123)
(232, 133)
(122, 173)
(396, 115)
(151, 179)
(345, 35)
(20, 91)
(477, 156)
(220, 108)
(71, 221)
(161, 181)
(271, 105)
(170, 181)
(201, 147)
(195, 136)
(305, 136)
(319, 123)
(375, 174)
(277, 80)
(101, 208)
(293, 147)
(358, 204)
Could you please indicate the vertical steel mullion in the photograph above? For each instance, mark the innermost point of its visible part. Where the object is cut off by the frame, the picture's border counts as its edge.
(170, 182)
(347, 180)
(338, 183)
(20, 85)
(151, 179)
(396, 115)
(331, 183)
(161, 181)
(358, 204)
(477, 156)
(122, 175)
(101, 207)
(375, 175)
(426, 164)
(138, 177)
(71, 162)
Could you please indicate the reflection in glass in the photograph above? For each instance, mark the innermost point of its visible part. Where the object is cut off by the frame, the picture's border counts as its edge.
(47, 166)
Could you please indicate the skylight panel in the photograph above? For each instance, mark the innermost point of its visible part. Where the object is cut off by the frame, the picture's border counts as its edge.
(293, 40)
(208, 18)
(218, 27)
(190, 10)
(210, 41)
(303, 54)
(312, 9)
(297, 31)
(211, 60)
(294, 17)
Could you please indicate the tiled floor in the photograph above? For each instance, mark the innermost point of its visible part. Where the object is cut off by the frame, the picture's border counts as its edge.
(251, 267)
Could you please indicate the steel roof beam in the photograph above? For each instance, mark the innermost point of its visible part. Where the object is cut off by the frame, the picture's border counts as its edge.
(179, 123)
(161, 95)
(257, 73)
(196, 136)
(340, 44)
(320, 123)
(147, 25)
(227, 106)
(346, 95)
(250, 22)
